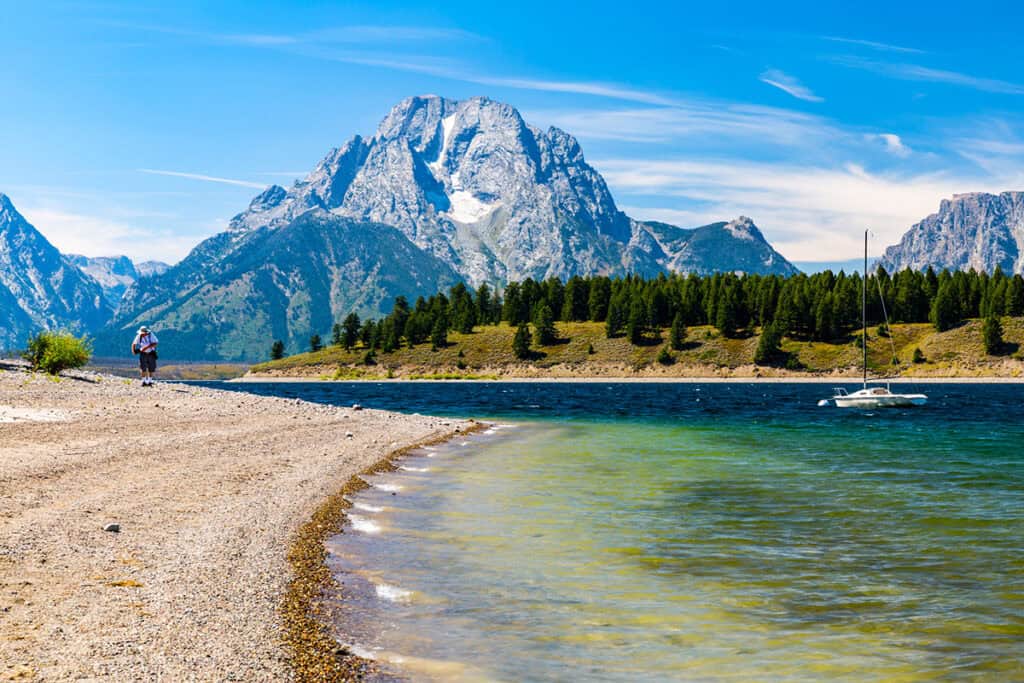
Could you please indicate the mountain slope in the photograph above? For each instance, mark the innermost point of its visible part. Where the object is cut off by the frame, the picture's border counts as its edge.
(39, 289)
(279, 284)
(976, 230)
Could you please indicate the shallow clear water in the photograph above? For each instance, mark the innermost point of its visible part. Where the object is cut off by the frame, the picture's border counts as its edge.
(680, 531)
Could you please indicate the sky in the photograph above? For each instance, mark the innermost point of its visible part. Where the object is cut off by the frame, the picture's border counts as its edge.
(141, 128)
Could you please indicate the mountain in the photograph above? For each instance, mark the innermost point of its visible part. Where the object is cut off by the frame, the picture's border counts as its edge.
(470, 191)
(39, 288)
(496, 199)
(115, 273)
(975, 230)
(282, 283)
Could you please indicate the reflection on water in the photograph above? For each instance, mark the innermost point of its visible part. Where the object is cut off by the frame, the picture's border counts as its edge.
(695, 532)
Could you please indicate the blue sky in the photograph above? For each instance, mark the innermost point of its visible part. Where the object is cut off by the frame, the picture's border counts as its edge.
(142, 128)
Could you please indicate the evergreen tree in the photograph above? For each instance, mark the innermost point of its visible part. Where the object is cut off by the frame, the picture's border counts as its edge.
(350, 331)
(315, 344)
(544, 332)
(521, 342)
(725, 311)
(598, 299)
(945, 313)
(992, 335)
(677, 335)
(336, 335)
(636, 325)
(769, 346)
(484, 302)
(615, 318)
(439, 333)
(277, 350)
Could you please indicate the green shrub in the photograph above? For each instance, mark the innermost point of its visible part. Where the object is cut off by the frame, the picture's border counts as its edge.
(918, 356)
(665, 357)
(54, 352)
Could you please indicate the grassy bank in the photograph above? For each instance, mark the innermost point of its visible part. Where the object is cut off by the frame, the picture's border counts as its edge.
(583, 350)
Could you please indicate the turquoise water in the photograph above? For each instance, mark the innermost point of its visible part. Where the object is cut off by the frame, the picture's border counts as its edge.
(693, 532)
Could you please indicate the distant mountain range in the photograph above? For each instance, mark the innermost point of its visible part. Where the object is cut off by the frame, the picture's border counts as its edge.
(116, 273)
(444, 191)
(975, 230)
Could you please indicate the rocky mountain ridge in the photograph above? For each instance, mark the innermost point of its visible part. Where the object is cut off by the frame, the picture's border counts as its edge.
(973, 230)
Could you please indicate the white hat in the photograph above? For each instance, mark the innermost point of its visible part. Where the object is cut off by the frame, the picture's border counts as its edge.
(143, 330)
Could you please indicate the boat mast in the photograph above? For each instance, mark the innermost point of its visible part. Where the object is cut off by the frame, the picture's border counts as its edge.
(864, 310)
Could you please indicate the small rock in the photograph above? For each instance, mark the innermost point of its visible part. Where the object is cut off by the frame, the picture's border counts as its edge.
(112, 528)
(349, 435)
(356, 406)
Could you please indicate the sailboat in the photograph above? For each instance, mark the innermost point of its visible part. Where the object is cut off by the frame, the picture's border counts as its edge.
(881, 395)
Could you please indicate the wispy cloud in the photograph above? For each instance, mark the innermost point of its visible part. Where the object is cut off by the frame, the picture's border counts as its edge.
(883, 47)
(695, 122)
(893, 144)
(204, 178)
(330, 45)
(789, 84)
(917, 72)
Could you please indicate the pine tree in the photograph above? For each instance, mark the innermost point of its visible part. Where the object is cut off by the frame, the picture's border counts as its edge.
(336, 335)
(677, 335)
(544, 332)
(315, 344)
(636, 325)
(439, 333)
(614, 318)
(277, 350)
(521, 342)
(945, 312)
(992, 335)
(769, 345)
(350, 331)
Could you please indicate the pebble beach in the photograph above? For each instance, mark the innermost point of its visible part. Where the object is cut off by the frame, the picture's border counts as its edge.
(207, 491)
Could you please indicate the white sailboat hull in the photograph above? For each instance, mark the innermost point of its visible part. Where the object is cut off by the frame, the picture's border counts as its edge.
(880, 401)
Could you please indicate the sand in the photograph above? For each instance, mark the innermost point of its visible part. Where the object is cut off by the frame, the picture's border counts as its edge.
(209, 489)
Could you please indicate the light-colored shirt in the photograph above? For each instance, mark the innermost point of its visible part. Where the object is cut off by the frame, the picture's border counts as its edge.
(145, 342)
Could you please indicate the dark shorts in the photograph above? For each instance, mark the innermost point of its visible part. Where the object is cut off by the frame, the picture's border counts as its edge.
(147, 362)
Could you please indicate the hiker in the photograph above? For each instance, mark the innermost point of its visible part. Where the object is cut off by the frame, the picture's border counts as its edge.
(145, 346)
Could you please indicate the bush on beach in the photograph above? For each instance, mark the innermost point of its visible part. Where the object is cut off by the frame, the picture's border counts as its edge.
(54, 352)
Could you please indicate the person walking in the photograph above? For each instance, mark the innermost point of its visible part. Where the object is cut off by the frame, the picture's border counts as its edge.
(144, 345)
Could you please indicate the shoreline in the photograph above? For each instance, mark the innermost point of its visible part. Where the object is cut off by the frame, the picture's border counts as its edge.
(211, 490)
(318, 655)
(300, 379)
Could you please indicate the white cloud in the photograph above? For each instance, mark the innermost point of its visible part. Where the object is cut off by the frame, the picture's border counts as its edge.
(789, 84)
(916, 72)
(808, 213)
(204, 178)
(893, 144)
(884, 47)
(75, 233)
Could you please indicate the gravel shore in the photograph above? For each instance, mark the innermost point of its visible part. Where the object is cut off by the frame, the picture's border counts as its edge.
(209, 489)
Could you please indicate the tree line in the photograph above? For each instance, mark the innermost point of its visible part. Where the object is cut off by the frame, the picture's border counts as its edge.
(822, 307)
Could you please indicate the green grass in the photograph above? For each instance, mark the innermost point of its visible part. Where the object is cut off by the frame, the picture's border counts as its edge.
(487, 353)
